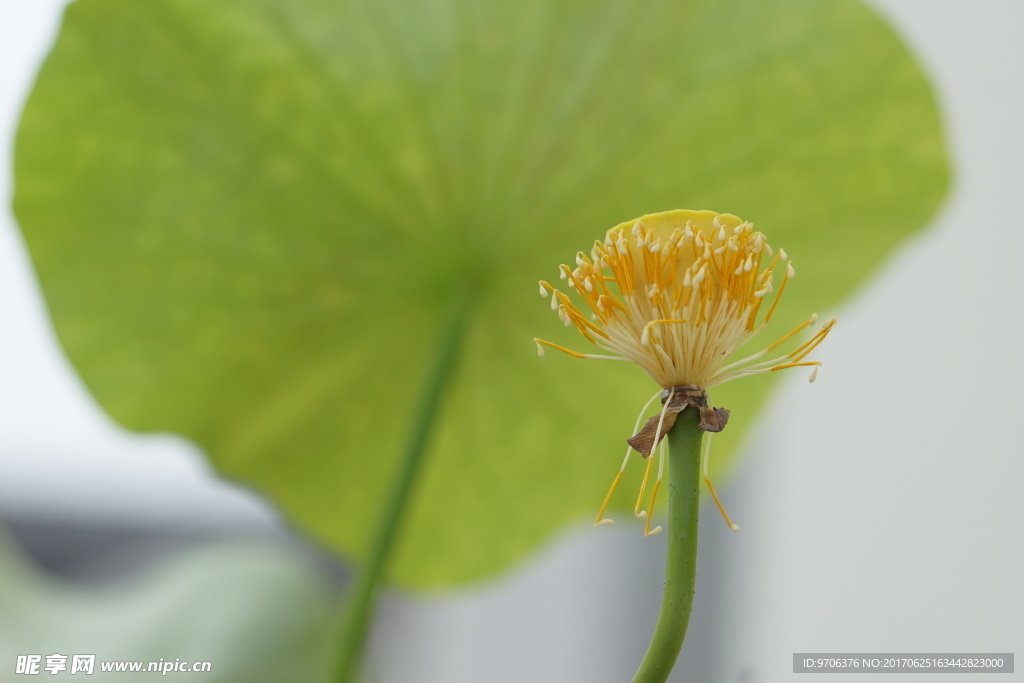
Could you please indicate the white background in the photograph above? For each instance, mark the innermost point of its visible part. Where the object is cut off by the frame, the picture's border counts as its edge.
(881, 508)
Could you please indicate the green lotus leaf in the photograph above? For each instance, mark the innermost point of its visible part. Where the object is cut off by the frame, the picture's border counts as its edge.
(249, 218)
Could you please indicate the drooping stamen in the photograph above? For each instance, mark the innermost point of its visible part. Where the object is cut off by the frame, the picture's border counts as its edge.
(643, 488)
(629, 449)
(650, 458)
(600, 513)
(648, 531)
(711, 488)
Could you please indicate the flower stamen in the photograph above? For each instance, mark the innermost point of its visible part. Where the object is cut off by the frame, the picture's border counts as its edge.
(638, 509)
(625, 461)
(574, 354)
(805, 364)
(650, 458)
(813, 342)
(648, 531)
(771, 347)
(711, 487)
(615, 482)
(790, 274)
(810, 321)
(646, 335)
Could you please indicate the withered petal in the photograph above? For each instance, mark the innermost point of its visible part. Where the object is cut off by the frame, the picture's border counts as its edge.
(682, 397)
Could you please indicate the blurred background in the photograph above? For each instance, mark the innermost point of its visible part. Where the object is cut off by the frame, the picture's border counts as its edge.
(880, 508)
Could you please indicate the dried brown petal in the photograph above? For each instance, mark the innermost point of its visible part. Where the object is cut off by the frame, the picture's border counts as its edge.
(643, 441)
(682, 397)
(713, 419)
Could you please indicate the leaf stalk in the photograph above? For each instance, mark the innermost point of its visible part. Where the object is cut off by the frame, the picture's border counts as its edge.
(358, 617)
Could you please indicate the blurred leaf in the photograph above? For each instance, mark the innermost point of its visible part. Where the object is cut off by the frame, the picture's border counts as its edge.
(254, 612)
(248, 215)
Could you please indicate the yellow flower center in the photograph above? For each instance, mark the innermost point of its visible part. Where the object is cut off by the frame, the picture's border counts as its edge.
(677, 293)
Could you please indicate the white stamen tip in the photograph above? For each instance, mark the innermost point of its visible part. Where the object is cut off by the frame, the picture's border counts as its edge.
(790, 273)
(654, 532)
(814, 319)
(748, 265)
(540, 349)
(814, 375)
(588, 284)
(734, 527)
(782, 254)
(641, 514)
(554, 303)
(543, 290)
(645, 337)
(605, 522)
(562, 274)
(721, 233)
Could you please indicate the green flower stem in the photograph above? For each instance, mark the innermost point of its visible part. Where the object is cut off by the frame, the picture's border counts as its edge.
(359, 615)
(681, 564)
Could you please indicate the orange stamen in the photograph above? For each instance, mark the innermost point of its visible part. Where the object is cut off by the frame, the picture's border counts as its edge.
(574, 354)
(650, 507)
(778, 297)
(604, 506)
